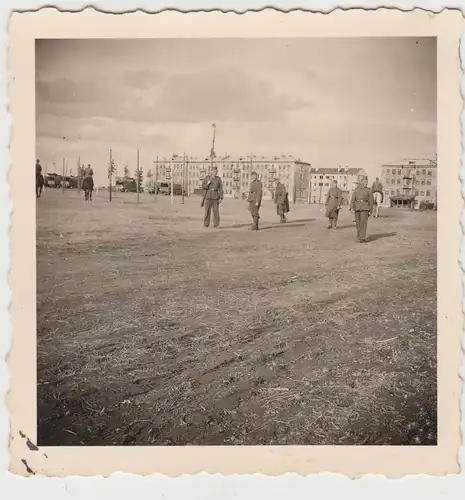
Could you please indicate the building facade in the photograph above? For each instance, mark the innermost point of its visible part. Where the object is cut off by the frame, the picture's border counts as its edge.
(321, 179)
(234, 171)
(303, 182)
(410, 182)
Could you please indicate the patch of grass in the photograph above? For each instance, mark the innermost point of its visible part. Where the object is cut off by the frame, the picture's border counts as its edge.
(155, 330)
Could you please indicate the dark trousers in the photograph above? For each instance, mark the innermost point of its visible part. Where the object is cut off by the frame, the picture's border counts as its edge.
(333, 220)
(254, 211)
(212, 205)
(281, 210)
(361, 220)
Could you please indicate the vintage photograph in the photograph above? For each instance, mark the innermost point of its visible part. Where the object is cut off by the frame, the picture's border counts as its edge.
(236, 241)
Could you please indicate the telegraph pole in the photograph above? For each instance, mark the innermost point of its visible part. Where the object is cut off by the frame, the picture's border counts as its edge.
(172, 181)
(63, 177)
(156, 181)
(309, 194)
(183, 177)
(137, 177)
(110, 170)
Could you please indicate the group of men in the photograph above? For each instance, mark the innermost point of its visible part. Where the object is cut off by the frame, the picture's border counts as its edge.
(361, 203)
(87, 181)
(213, 196)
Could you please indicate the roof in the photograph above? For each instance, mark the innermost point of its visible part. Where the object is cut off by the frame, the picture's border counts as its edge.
(408, 197)
(335, 170)
(227, 158)
(411, 162)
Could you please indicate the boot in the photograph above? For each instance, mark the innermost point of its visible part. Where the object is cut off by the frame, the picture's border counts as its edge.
(334, 223)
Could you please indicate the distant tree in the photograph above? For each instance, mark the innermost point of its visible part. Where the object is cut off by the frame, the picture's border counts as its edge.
(126, 171)
(149, 176)
(111, 168)
(139, 176)
(81, 172)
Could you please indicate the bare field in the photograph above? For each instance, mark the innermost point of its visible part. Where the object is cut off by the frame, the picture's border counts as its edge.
(153, 330)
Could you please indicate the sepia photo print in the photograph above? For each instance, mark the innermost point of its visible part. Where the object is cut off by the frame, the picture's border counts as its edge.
(241, 253)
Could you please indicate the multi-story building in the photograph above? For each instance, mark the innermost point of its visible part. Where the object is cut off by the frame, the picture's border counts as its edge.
(303, 182)
(321, 179)
(409, 182)
(234, 171)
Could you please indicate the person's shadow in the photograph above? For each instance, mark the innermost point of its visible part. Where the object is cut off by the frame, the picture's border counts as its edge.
(274, 225)
(380, 236)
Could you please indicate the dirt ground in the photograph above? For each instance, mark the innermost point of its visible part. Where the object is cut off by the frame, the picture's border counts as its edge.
(153, 330)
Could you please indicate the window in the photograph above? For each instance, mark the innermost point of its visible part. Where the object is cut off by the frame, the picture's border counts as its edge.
(326, 183)
(399, 171)
(398, 181)
(397, 191)
(416, 192)
(422, 193)
(428, 182)
(320, 183)
(387, 191)
(428, 193)
(388, 171)
(430, 172)
(418, 172)
(423, 171)
(321, 177)
(423, 182)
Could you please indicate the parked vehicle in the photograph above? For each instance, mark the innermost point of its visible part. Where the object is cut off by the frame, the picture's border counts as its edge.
(164, 188)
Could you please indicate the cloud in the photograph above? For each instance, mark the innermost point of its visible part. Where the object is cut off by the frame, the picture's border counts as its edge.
(215, 96)
(143, 79)
(187, 97)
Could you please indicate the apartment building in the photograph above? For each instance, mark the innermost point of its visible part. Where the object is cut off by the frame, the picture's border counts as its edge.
(409, 182)
(235, 173)
(321, 179)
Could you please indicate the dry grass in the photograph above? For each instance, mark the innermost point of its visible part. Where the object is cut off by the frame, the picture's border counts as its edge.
(154, 330)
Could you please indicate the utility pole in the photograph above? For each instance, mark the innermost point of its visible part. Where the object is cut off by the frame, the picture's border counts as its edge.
(172, 181)
(212, 151)
(156, 181)
(183, 178)
(137, 177)
(63, 177)
(79, 174)
(110, 170)
(309, 193)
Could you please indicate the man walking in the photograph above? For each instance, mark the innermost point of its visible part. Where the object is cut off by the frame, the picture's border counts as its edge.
(255, 200)
(377, 187)
(213, 187)
(362, 205)
(282, 201)
(378, 195)
(333, 205)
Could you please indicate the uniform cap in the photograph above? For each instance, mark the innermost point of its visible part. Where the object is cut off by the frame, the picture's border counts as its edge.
(254, 173)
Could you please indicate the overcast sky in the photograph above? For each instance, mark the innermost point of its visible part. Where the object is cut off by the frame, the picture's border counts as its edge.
(359, 102)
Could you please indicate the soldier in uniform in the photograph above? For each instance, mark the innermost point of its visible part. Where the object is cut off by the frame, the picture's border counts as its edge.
(213, 187)
(333, 205)
(362, 205)
(88, 183)
(377, 187)
(39, 179)
(255, 200)
(282, 200)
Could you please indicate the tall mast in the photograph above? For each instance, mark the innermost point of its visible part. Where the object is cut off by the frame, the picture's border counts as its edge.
(212, 152)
